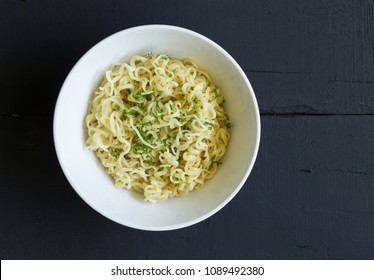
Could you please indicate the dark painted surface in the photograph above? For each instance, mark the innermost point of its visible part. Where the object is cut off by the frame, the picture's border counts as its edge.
(311, 192)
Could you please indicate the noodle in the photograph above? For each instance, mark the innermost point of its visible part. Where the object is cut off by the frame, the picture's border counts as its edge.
(157, 126)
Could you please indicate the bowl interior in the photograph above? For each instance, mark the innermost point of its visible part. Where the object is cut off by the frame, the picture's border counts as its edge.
(85, 172)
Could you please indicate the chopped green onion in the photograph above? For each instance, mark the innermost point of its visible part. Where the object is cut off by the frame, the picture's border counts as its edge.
(147, 123)
(132, 113)
(158, 108)
(215, 95)
(165, 144)
(209, 125)
(116, 152)
(140, 149)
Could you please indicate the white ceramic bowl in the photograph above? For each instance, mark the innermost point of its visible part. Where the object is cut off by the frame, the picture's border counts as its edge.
(85, 172)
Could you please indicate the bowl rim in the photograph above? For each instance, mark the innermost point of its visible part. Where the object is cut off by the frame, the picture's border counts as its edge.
(222, 52)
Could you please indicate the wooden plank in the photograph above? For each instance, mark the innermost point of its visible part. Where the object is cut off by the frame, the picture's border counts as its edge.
(303, 93)
(311, 192)
(310, 196)
(301, 56)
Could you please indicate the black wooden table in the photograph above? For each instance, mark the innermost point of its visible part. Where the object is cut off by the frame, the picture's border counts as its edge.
(311, 192)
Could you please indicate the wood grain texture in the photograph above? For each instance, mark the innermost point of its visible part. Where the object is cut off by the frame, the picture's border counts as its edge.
(309, 196)
(311, 192)
(300, 55)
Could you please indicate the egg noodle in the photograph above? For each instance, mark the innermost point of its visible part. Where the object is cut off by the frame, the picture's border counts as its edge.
(157, 125)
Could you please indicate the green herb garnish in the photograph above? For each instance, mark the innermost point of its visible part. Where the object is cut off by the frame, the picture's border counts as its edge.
(215, 95)
(166, 144)
(147, 123)
(139, 100)
(158, 109)
(209, 125)
(116, 152)
(140, 148)
(124, 113)
(132, 113)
